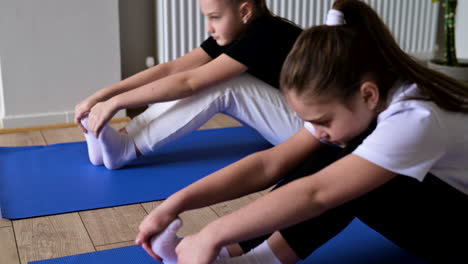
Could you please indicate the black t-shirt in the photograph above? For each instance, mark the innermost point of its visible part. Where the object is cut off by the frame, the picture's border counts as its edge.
(262, 48)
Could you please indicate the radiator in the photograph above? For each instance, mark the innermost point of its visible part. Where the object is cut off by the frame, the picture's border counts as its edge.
(181, 26)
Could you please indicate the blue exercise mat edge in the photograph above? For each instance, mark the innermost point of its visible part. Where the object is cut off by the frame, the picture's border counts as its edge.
(356, 244)
(185, 161)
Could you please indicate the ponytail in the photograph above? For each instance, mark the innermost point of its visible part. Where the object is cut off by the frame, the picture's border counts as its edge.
(261, 8)
(335, 60)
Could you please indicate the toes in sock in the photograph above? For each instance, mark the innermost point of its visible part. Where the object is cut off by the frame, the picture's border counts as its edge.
(94, 148)
(117, 149)
(165, 243)
(224, 253)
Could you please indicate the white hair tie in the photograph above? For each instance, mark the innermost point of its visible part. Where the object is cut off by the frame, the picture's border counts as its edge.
(335, 18)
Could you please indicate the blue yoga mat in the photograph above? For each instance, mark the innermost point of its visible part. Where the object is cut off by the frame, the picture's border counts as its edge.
(357, 244)
(45, 180)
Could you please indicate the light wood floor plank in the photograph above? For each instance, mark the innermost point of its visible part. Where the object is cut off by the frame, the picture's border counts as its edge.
(5, 222)
(119, 125)
(150, 206)
(116, 245)
(75, 134)
(225, 208)
(8, 252)
(70, 134)
(113, 225)
(220, 121)
(62, 135)
(22, 139)
(51, 126)
(193, 220)
(51, 237)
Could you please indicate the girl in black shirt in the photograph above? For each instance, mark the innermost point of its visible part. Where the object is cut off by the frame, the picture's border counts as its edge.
(235, 71)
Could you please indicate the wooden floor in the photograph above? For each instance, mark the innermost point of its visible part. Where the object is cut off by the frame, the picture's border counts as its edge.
(22, 241)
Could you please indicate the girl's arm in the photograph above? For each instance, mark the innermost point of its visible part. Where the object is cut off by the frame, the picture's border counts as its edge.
(172, 87)
(253, 173)
(189, 61)
(344, 180)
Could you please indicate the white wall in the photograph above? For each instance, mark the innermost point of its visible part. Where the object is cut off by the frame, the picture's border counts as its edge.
(462, 29)
(53, 54)
(2, 108)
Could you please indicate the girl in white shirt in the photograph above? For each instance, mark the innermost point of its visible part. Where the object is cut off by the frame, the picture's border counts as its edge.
(385, 140)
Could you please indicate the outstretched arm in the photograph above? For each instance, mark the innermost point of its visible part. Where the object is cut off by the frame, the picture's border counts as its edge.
(182, 84)
(295, 202)
(175, 86)
(253, 173)
(189, 61)
(172, 87)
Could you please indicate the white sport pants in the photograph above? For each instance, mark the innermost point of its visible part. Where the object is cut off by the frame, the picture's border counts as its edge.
(245, 98)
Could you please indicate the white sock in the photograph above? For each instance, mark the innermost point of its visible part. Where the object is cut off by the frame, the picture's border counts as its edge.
(164, 244)
(117, 149)
(262, 254)
(94, 147)
(223, 253)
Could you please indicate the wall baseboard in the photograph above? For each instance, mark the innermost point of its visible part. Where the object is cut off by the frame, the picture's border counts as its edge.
(41, 119)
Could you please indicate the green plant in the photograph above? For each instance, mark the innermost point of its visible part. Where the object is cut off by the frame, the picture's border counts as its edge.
(450, 8)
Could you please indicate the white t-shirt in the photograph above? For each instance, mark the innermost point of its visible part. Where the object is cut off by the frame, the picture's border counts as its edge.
(414, 137)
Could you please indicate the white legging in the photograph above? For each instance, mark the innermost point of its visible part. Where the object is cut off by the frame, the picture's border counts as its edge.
(245, 98)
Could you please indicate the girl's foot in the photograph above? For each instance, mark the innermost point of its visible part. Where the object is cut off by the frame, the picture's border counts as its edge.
(94, 147)
(117, 149)
(165, 243)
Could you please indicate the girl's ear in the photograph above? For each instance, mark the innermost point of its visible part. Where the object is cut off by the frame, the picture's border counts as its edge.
(370, 94)
(246, 11)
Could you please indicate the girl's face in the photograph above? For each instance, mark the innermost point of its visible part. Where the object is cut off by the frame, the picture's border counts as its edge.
(334, 121)
(224, 21)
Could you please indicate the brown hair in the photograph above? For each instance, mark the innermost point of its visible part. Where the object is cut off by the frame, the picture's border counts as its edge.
(260, 7)
(333, 61)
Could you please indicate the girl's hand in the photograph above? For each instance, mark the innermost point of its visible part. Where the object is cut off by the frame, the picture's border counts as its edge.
(100, 115)
(81, 110)
(152, 225)
(199, 248)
